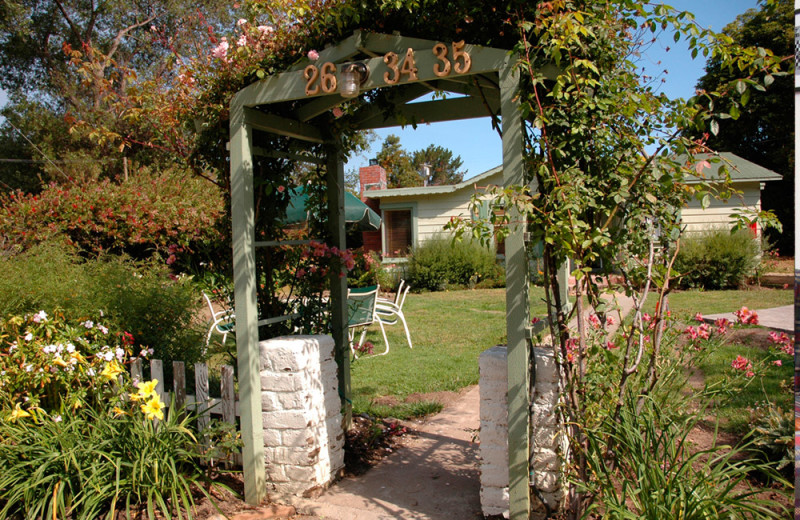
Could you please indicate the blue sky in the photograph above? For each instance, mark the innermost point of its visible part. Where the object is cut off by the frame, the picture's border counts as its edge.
(480, 147)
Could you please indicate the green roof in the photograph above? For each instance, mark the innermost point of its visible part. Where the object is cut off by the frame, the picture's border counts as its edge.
(432, 190)
(741, 170)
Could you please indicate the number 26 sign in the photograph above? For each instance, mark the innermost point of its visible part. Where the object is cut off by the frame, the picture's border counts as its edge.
(448, 60)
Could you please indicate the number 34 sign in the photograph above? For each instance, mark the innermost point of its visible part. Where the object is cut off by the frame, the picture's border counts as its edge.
(324, 77)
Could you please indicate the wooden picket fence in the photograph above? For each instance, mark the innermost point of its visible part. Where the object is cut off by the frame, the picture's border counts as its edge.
(204, 405)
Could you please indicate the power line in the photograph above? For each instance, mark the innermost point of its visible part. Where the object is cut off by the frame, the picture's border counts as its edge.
(36, 148)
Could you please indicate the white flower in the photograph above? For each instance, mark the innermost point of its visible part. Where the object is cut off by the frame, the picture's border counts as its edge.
(28, 368)
(49, 349)
(70, 348)
(89, 324)
(102, 329)
(91, 372)
(241, 21)
(242, 41)
(120, 354)
(108, 355)
(12, 347)
(56, 418)
(40, 317)
(28, 336)
(265, 29)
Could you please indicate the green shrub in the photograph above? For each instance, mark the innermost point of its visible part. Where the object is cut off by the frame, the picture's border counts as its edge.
(141, 298)
(440, 263)
(717, 259)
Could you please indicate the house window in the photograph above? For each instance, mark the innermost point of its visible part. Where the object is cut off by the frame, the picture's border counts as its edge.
(398, 232)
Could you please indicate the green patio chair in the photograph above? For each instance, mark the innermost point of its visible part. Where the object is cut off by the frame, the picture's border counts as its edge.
(361, 305)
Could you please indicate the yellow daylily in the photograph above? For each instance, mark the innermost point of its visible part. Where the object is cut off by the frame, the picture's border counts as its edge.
(152, 408)
(60, 362)
(111, 370)
(119, 411)
(148, 389)
(18, 413)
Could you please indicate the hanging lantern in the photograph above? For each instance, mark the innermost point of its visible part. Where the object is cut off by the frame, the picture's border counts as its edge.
(352, 77)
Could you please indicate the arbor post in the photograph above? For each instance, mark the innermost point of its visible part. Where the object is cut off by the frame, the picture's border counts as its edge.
(336, 228)
(517, 307)
(244, 280)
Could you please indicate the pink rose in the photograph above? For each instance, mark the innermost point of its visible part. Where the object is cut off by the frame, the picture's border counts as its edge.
(313, 55)
(221, 50)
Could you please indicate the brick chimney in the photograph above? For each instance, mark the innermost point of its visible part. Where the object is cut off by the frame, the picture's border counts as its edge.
(372, 177)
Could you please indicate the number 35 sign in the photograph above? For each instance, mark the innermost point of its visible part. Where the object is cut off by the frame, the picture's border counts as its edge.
(448, 59)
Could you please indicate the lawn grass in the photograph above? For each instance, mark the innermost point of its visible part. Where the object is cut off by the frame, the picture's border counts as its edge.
(449, 330)
(683, 303)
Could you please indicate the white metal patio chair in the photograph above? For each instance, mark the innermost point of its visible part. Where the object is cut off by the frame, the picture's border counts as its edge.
(361, 312)
(222, 321)
(389, 312)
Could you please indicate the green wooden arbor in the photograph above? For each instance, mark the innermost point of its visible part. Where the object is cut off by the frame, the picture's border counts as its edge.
(487, 81)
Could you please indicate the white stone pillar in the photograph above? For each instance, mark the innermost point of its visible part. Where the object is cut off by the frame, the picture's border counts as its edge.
(494, 431)
(303, 437)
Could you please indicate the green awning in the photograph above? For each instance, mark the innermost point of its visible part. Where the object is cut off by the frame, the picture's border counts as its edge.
(355, 211)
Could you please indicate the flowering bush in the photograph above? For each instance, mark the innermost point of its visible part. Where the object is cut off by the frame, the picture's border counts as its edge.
(78, 437)
(50, 366)
(366, 269)
(163, 214)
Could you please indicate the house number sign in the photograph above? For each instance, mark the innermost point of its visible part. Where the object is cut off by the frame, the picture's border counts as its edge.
(453, 58)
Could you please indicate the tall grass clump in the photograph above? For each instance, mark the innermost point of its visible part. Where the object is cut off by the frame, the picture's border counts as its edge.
(440, 263)
(717, 259)
(659, 474)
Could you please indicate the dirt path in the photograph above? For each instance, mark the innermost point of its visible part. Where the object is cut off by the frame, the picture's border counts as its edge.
(433, 477)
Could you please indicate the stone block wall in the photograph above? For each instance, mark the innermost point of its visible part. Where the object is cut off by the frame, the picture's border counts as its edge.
(494, 431)
(493, 384)
(301, 410)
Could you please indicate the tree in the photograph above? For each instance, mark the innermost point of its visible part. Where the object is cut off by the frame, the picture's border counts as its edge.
(444, 167)
(763, 132)
(63, 61)
(399, 168)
